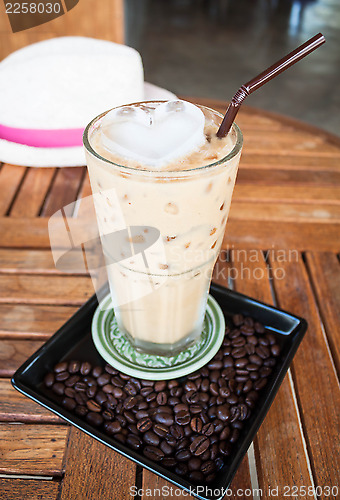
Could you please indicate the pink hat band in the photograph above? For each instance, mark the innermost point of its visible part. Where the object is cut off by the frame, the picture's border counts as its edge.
(43, 138)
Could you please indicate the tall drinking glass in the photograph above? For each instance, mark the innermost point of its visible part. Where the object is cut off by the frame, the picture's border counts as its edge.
(161, 234)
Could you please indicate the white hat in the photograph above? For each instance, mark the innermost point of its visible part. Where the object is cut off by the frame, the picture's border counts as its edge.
(50, 90)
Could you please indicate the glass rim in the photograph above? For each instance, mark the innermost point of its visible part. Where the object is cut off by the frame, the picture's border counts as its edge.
(163, 173)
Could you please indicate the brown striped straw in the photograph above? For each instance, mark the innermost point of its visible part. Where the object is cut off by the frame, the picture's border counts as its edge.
(264, 77)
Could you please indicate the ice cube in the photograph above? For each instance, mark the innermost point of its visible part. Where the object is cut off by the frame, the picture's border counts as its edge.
(154, 136)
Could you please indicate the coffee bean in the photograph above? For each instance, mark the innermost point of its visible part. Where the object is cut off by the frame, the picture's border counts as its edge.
(151, 438)
(164, 418)
(80, 398)
(255, 359)
(208, 429)
(228, 362)
(144, 424)
(69, 403)
(113, 427)
(153, 453)
(225, 448)
(161, 398)
(169, 462)
(151, 397)
(109, 369)
(181, 406)
(262, 351)
(238, 319)
(190, 386)
(81, 411)
(196, 424)
(239, 342)
(208, 467)
(215, 365)
(94, 418)
(108, 388)
(232, 399)
(93, 406)
(49, 380)
(183, 455)
(130, 389)
(80, 386)
(238, 352)
(61, 376)
(196, 408)
(134, 441)
(73, 366)
(161, 430)
(264, 371)
(247, 386)
(223, 413)
(194, 463)
(61, 367)
(275, 350)
(71, 381)
(181, 469)
(70, 392)
(177, 431)
(58, 388)
(244, 411)
(107, 415)
(130, 418)
(117, 382)
(259, 384)
(166, 448)
(236, 332)
(199, 445)
(182, 417)
(234, 436)
(91, 391)
(130, 402)
(104, 379)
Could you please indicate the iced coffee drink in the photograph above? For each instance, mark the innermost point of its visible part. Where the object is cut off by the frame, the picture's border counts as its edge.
(162, 184)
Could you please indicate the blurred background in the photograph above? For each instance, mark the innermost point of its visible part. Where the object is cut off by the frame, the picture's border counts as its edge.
(208, 48)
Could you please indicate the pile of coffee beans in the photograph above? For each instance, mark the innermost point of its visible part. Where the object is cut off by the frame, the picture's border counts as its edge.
(187, 425)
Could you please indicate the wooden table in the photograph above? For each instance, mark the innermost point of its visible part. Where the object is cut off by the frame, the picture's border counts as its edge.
(285, 217)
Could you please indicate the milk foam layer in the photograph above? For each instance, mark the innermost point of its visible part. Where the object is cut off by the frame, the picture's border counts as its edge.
(188, 203)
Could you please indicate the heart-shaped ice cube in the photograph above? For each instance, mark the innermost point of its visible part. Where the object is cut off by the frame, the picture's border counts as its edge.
(154, 135)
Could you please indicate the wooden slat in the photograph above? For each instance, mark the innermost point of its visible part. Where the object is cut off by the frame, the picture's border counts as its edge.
(32, 449)
(287, 194)
(10, 179)
(271, 161)
(64, 190)
(285, 212)
(106, 476)
(42, 289)
(314, 375)
(279, 441)
(13, 353)
(290, 178)
(324, 271)
(278, 141)
(32, 192)
(248, 234)
(18, 489)
(32, 322)
(38, 262)
(156, 483)
(14, 407)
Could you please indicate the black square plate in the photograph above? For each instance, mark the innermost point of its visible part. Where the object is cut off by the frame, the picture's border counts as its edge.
(74, 341)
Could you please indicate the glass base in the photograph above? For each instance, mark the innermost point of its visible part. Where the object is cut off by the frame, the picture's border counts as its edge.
(145, 347)
(117, 350)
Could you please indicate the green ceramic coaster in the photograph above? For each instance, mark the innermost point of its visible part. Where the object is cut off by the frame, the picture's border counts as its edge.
(117, 350)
